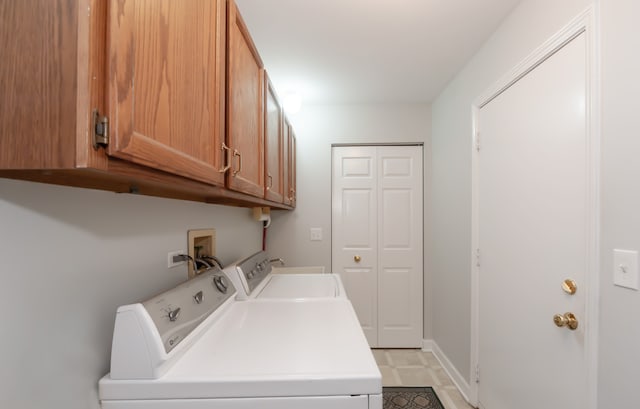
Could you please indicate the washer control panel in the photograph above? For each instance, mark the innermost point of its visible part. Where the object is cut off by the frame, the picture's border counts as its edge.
(179, 311)
(255, 269)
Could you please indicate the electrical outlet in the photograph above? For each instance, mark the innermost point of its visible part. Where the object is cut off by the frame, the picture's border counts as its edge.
(171, 262)
(315, 234)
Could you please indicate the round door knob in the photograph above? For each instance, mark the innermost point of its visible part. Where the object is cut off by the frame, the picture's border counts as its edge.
(357, 259)
(568, 320)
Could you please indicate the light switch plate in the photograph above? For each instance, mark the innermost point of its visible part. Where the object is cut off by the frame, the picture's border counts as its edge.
(315, 234)
(625, 268)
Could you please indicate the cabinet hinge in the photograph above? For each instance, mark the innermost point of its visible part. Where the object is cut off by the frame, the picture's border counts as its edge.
(477, 141)
(477, 373)
(477, 257)
(100, 130)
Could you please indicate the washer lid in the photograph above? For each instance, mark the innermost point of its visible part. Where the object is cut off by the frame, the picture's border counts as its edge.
(266, 348)
(301, 286)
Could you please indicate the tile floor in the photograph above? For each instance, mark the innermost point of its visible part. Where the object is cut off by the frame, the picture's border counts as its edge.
(413, 367)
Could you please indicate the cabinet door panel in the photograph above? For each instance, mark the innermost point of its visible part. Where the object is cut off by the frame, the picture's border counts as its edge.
(273, 145)
(245, 116)
(286, 162)
(291, 169)
(166, 85)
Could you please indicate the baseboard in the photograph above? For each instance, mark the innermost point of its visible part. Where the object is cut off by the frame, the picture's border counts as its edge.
(458, 380)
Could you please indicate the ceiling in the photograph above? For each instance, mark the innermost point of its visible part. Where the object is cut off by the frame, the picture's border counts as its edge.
(369, 51)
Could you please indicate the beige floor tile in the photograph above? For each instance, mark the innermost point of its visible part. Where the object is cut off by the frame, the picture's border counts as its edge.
(404, 357)
(417, 377)
(389, 376)
(430, 359)
(381, 357)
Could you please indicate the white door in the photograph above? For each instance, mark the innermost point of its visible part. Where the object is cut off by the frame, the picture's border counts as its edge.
(377, 239)
(532, 235)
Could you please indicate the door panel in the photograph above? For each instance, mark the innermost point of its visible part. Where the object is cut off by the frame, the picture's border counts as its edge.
(357, 229)
(377, 228)
(394, 286)
(532, 210)
(245, 116)
(361, 287)
(166, 98)
(274, 159)
(396, 218)
(354, 232)
(400, 247)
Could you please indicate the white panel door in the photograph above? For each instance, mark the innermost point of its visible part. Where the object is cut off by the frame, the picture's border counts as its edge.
(532, 234)
(400, 229)
(377, 233)
(354, 231)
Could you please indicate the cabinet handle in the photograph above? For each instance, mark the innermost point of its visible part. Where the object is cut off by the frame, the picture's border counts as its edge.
(270, 185)
(236, 153)
(227, 158)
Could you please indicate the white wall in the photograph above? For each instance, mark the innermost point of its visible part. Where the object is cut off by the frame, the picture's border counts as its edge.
(317, 127)
(528, 26)
(619, 363)
(69, 258)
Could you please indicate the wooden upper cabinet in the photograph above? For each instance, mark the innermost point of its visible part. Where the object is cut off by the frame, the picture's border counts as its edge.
(157, 70)
(274, 149)
(165, 97)
(245, 112)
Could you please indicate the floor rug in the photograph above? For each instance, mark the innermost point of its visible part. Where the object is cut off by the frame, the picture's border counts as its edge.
(410, 398)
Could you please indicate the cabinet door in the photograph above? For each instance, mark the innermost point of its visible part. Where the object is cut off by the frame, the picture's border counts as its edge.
(286, 165)
(292, 168)
(273, 145)
(245, 116)
(166, 85)
(286, 161)
(290, 176)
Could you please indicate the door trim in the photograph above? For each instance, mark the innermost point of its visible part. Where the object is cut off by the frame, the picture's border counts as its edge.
(585, 23)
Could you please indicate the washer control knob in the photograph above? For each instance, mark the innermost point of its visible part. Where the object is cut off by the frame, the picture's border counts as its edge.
(173, 314)
(198, 297)
(221, 283)
(259, 267)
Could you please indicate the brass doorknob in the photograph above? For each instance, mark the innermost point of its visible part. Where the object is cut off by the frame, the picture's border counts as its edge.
(568, 319)
(357, 259)
(569, 286)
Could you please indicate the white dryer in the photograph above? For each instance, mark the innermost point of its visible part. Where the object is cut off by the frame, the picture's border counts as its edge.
(254, 279)
(196, 347)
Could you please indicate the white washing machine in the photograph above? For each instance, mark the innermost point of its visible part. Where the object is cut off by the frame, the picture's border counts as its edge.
(197, 347)
(253, 278)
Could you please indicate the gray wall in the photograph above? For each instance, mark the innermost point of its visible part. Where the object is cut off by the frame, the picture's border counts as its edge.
(619, 363)
(70, 257)
(528, 26)
(317, 127)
